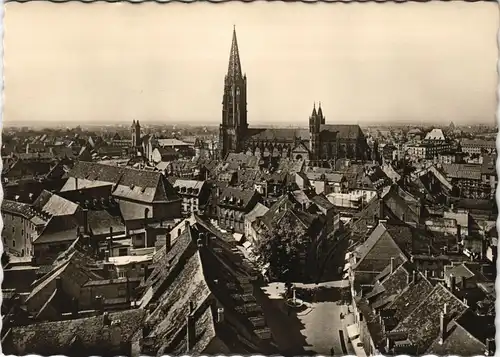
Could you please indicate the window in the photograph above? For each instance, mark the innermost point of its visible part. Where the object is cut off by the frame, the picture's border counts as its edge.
(22, 232)
(13, 243)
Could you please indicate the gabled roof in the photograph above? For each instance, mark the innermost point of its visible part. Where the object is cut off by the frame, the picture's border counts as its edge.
(208, 277)
(55, 205)
(93, 334)
(237, 194)
(140, 185)
(344, 131)
(422, 324)
(258, 211)
(281, 135)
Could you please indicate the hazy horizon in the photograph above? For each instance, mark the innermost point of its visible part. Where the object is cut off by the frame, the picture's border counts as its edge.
(368, 63)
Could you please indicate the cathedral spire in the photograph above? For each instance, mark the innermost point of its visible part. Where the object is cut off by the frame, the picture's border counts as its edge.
(320, 112)
(314, 110)
(234, 69)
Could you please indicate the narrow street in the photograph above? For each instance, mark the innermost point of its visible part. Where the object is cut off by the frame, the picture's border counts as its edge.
(319, 325)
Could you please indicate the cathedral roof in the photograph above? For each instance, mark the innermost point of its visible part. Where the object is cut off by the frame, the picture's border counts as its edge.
(279, 134)
(343, 131)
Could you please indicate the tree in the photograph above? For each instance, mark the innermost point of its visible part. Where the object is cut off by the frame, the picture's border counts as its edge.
(281, 247)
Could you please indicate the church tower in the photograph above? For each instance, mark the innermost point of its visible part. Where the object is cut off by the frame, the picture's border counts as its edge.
(135, 130)
(315, 121)
(234, 105)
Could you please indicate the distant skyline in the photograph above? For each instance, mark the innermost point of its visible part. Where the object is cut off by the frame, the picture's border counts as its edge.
(368, 63)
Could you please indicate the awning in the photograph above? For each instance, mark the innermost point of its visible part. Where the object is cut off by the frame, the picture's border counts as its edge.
(237, 236)
(352, 331)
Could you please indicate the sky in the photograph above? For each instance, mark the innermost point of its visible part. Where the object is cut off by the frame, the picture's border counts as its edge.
(366, 63)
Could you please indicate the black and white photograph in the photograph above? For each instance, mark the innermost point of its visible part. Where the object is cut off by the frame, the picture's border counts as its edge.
(264, 178)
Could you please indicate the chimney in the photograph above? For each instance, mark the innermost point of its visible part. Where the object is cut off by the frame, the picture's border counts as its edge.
(106, 319)
(452, 283)
(464, 282)
(100, 304)
(445, 309)
(190, 331)
(392, 265)
(85, 221)
(484, 248)
(168, 241)
(110, 242)
(76, 183)
(147, 272)
(490, 346)
(220, 314)
(389, 344)
(146, 330)
(442, 326)
(59, 283)
(186, 224)
(75, 307)
(116, 333)
(414, 276)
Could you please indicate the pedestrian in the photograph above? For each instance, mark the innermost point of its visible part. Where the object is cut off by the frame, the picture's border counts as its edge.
(332, 352)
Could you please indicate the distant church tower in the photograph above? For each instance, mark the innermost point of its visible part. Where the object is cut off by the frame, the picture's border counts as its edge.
(315, 121)
(234, 105)
(135, 130)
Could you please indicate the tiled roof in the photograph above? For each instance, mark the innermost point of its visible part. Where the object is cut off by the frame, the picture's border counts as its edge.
(129, 183)
(172, 142)
(410, 298)
(463, 171)
(459, 342)
(282, 134)
(58, 229)
(55, 205)
(100, 222)
(236, 195)
(19, 208)
(93, 335)
(322, 201)
(422, 325)
(203, 273)
(258, 211)
(343, 131)
(193, 187)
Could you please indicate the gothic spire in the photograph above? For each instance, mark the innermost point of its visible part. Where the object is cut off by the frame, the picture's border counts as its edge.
(314, 110)
(234, 69)
(320, 112)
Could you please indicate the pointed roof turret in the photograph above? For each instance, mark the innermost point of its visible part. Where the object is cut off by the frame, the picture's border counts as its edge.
(320, 112)
(133, 123)
(314, 114)
(234, 68)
